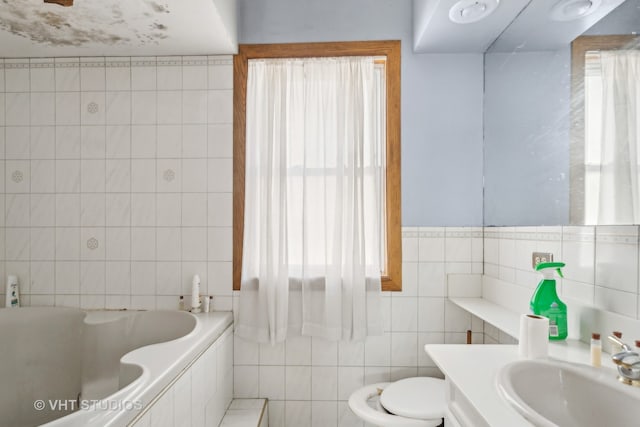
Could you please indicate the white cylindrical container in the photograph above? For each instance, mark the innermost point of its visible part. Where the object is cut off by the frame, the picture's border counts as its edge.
(596, 350)
(205, 304)
(533, 340)
(195, 294)
(12, 292)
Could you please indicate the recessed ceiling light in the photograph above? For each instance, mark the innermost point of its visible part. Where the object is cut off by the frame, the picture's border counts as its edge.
(569, 10)
(469, 11)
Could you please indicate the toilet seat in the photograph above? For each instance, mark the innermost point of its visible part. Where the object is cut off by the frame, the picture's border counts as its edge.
(418, 397)
(360, 407)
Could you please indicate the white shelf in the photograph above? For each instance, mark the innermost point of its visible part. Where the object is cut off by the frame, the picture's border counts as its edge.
(504, 319)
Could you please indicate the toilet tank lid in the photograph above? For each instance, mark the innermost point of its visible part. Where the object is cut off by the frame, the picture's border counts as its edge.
(418, 397)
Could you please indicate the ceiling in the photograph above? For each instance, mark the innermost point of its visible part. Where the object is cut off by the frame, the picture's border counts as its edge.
(32, 28)
(514, 25)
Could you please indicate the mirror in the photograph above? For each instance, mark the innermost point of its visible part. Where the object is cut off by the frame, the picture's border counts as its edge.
(535, 135)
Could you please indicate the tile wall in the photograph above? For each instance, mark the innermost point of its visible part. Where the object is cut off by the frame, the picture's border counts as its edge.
(602, 262)
(308, 381)
(116, 179)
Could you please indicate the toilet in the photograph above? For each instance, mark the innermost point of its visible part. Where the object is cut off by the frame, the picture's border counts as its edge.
(410, 402)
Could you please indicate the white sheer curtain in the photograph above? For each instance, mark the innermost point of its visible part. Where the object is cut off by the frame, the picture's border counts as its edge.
(314, 195)
(613, 107)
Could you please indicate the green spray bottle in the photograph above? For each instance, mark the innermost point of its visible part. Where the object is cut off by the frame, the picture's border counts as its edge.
(545, 301)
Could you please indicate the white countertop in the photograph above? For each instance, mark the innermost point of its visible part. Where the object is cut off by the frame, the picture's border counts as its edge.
(473, 370)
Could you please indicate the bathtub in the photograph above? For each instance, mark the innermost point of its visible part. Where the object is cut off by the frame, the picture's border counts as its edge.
(67, 367)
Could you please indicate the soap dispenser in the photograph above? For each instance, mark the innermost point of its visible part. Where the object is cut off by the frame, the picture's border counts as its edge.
(545, 301)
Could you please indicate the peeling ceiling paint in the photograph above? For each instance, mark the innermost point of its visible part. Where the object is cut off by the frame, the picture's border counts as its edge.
(113, 27)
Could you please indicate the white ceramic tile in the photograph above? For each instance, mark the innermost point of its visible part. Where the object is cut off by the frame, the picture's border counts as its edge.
(194, 175)
(17, 79)
(67, 108)
(324, 352)
(276, 413)
(143, 244)
(67, 277)
(143, 175)
(143, 209)
(246, 381)
(298, 382)
(118, 243)
(220, 106)
(42, 79)
(143, 277)
(42, 210)
(220, 76)
(42, 142)
(351, 353)
(220, 173)
(220, 243)
(67, 210)
(67, 78)
(409, 278)
(194, 104)
(168, 209)
(118, 210)
(17, 109)
(169, 107)
(67, 142)
(194, 77)
(118, 78)
(93, 139)
(194, 244)
(272, 382)
(17, 207)
(456, 319)
(67, 176)
(272, 354)
(220, 209)
(143, 107)
(92, 176)
(620, 302)
(507, 252)
(220, 274)
(431, 249)
(430, 314)
(579, 257)
(617, 260)
(17, 176)
(168, 244)
(194, 141)
(220, 141)
(143, 77)
(404, 314)
(17, 142)
(92, 277)
(92, 243)
(324, 414)
(377, 350)
(118, 108)
(168, 279)
(42, 244)
(18, 250)
(42, 273)
(349, 380)
(143, 141)
(194, 210)
(169, 141)
(298, 350)
(118, 176)
(431, 279)
(168, 175)
(404, 349)
(170, 76)
(92, 77)
(42, 108)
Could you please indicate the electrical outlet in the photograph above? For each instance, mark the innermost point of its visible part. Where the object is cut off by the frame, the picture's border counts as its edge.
(538, 257)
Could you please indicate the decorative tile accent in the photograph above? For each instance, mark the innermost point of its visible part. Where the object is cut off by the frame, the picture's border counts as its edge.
(92, 108)
(93, 243)
(17, 176)
(169, 175)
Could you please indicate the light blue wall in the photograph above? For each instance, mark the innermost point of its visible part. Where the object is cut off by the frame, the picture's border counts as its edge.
(441, 98)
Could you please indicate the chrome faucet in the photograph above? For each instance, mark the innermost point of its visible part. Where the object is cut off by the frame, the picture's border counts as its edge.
(628, 362)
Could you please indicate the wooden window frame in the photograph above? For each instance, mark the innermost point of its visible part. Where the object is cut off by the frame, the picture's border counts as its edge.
(392, 279)
(579, 47)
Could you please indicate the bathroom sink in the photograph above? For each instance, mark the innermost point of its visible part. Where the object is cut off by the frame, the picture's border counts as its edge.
(552, 393)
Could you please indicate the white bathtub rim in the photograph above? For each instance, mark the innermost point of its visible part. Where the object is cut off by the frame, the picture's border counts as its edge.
(157, 372)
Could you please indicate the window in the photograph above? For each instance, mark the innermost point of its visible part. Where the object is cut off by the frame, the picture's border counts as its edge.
(389, 51)
(592, 170)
